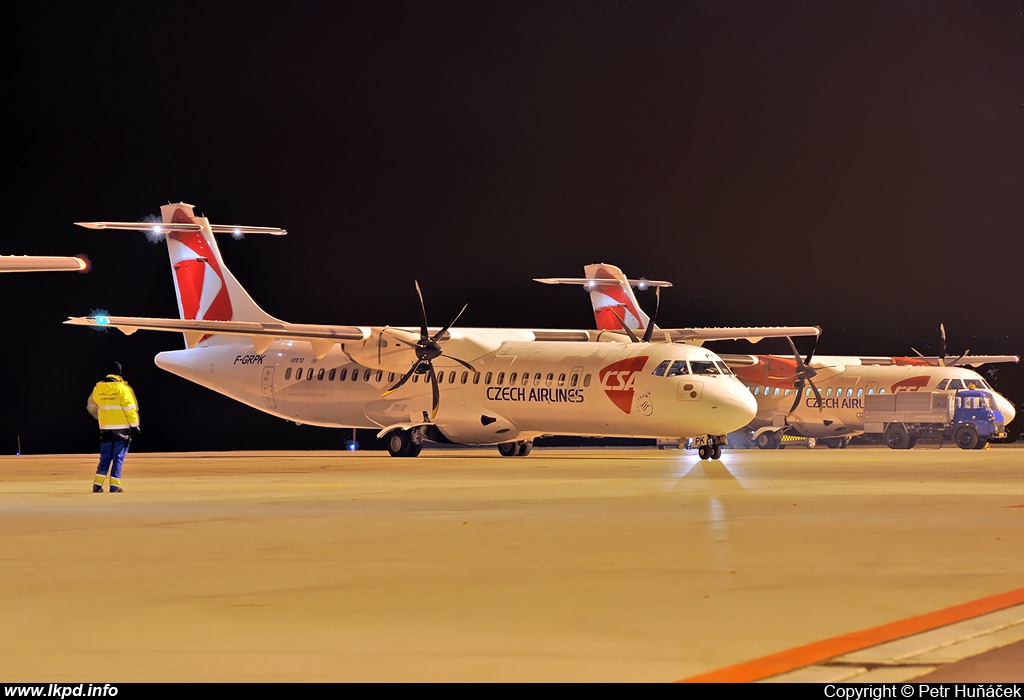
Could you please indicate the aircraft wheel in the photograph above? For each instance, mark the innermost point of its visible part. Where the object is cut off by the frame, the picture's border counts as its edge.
(834, 443)
(766, 440)
(896, 437)
(400, 444)
(525, 447)
(508, 449)
(414, 450)
(716, 452)
(966, 437)
(704, 452)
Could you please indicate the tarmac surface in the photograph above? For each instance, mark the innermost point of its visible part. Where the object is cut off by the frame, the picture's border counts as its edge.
(633, 565)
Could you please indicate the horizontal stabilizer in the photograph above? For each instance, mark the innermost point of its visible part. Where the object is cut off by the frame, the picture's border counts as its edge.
(159, 227)
(598, 282)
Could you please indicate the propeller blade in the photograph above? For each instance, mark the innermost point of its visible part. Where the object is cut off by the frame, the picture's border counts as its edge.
(649, 331)
(450, 324)
(423, 308)
(807, 360)
(629, 332)
(435, 399)
(955, 362)
(461, 362)
(403, 380)
(821, 404)
(942, 343)
(796, 354)
(796, 399)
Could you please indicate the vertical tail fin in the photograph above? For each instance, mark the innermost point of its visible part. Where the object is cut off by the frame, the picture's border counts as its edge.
(204, 286)
(614, 299)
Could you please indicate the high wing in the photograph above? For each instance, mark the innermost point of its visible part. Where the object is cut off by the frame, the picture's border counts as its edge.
(321, 337)
(696, 336)
(262, 334)
(42, 263)
(967, 360)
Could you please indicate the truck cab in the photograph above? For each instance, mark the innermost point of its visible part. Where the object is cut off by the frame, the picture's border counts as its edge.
(976, 419)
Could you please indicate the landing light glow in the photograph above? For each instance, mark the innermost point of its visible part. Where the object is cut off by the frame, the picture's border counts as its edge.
(101, 320)
(237, 234)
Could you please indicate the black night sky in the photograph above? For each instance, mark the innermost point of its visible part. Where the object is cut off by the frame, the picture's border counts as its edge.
(856, 165)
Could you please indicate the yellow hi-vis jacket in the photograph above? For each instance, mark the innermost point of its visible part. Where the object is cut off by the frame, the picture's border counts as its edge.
(112, 403)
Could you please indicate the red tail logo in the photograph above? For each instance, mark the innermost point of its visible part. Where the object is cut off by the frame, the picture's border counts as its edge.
(605, 315)
(912, 384)
(200, 280)
(618, 379)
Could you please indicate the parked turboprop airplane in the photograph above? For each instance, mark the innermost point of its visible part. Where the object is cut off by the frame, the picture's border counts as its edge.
(481, 386)
(818, 397)
(42, 263)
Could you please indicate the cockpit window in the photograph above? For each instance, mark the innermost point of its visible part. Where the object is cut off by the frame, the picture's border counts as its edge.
(723, 368)
(659, 371)
(942, 385)
(956, 384)
(678, 367)
(700, 367)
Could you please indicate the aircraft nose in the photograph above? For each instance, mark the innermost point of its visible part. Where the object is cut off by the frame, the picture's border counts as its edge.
(1006, 408)
(738, 406)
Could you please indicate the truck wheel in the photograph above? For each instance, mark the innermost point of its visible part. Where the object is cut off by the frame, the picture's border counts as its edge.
(895, 436)
(966, 437)
(982, 444)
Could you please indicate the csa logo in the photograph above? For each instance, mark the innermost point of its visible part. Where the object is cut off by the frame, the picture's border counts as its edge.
(618, 379)
(912, 384)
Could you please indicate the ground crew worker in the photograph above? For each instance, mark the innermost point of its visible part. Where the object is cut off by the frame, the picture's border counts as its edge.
(112, 403)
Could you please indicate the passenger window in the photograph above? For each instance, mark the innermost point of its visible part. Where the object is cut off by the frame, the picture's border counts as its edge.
(501, 378)
(415, 378)
(551, 379)
(757, 391)
(881, 391)
(787, 392)
(465, 377)
(526, 378)
(871, 390)
(776, 391)
(488, 377)
(355, 374)
(561, 379)
(808, 392)
(320, 374)
(659, 371)
(288, 374)
(512, 379)
(574, 380)
(366, 376)
(330, 375)
(828, 392)
(860, 392)
(380, 374)
(476, 378)
(309, 374)
(391, 377)
(440, 377)
(586, 380)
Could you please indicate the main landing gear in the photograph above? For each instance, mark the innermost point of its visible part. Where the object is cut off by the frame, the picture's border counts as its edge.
(404, 443)
(515, 449)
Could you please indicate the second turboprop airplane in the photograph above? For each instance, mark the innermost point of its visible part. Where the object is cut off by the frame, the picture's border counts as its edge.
(816, 397)
(476, 386)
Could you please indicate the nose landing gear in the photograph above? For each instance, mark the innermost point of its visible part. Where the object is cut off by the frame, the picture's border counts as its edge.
(712, 449)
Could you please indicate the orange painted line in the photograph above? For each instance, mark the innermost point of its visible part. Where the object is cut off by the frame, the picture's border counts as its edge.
(1020, 506)
(816, 652)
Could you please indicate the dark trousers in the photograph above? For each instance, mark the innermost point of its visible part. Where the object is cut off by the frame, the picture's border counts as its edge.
(112, 456)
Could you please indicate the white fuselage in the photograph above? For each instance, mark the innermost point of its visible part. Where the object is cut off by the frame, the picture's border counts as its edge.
(843, 383)
(520, 389)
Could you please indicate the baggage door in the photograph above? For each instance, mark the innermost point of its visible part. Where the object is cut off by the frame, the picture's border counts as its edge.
(268, 387)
